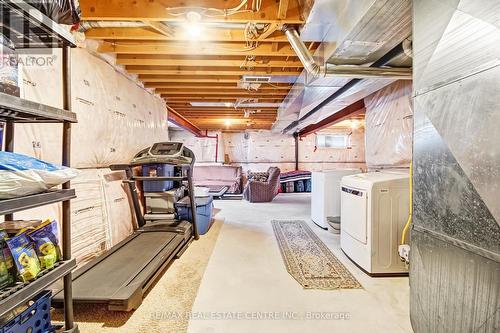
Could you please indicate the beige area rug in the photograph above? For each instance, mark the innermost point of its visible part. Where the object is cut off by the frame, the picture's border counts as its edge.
(308, 260)
(167, 306)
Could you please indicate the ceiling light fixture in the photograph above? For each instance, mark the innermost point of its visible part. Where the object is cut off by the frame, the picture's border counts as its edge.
(193, 17)
(228, 105)
(227, 122)
(192, 25)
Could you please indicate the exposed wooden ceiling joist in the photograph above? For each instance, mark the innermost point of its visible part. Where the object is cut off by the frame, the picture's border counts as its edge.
(154, 61)
(188, 79)
(200, 122)
(218, 90)
(173, 101)
(225, 98)
(243, 123)
(228, 92)
(233, 114)
(148, 34)
(211, 86)
(235, 122)
(204, 71)
(226, 110)
(236, 128)
(181, 70)
(160, 27)
(195, 118)
(190, 108)
(183, 48)
(156, 10)
(221, 96)
(283, 9)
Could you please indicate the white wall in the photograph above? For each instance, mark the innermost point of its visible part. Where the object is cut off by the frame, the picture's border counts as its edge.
(116, 118)
(258, 150)
(204, 149)
(389, 126)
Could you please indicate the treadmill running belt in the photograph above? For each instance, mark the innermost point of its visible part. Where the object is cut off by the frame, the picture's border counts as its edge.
(120, 276)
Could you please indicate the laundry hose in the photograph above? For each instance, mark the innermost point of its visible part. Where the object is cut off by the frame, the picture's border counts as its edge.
(408, 223)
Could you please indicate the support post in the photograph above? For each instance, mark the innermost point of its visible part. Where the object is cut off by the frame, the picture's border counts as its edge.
(296, 136)
(66, 205)
(9, 136)
(216, 147)
(9, 146)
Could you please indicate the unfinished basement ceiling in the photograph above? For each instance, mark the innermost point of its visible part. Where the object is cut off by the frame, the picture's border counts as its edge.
(196, 57)
(227, 64)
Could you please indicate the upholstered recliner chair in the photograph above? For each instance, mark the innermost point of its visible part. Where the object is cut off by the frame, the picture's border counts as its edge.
(262, 186)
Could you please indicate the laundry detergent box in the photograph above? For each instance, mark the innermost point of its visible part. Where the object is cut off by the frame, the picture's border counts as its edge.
(24, 257)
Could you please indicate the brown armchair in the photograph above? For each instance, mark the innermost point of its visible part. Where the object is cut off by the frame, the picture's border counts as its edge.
(258, 190)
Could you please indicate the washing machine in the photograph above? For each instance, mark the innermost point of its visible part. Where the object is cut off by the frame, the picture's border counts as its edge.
(325, 196)
(374, 211)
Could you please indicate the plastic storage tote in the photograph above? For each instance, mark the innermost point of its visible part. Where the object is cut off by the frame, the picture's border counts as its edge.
(204, 207)
(308, 185)
(157, 170)
(299, 186)
(36, 317)
(163, 202)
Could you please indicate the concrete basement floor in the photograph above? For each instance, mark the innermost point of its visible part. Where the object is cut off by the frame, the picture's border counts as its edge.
(246, 274)
(237, 268)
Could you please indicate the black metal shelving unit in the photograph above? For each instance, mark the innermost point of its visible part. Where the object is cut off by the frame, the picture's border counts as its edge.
(10, 206)
(29, 29)
(21, 293)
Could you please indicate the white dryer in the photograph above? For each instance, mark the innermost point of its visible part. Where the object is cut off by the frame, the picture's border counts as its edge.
(374, 211)
(325, 195)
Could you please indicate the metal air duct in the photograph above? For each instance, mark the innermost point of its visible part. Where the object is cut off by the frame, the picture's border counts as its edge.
(351, 71)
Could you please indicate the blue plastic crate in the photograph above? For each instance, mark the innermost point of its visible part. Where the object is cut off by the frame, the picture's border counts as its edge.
(204, 207)
(308, 185)
(157, 170)
(35, 319)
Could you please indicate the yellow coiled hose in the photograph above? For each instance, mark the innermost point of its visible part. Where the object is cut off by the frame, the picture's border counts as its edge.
(408, 223)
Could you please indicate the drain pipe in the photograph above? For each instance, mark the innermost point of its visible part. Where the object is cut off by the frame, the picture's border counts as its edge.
(352, 71)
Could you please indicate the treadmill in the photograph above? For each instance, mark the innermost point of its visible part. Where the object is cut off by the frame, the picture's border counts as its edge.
(121, 276)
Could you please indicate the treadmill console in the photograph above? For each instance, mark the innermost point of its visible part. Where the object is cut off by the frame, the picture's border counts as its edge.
(165, 153)
(167, 148)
